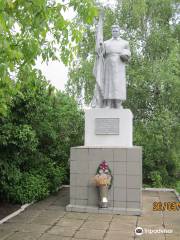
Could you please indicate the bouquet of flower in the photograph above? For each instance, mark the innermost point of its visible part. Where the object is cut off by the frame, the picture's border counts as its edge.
(103, 175)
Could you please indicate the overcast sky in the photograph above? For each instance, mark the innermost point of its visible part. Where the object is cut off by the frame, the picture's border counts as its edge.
(55, 71)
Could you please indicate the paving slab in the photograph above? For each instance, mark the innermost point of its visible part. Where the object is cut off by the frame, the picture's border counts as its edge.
(122, 226)
(124, 219)
(150, 193)
(79, 238)
(76, 223)
(95, 225)
(48, 217)
(90, 234)
(172, 236)
(54, 237)
(11, 227)
(151, 237)
(4, 233)
(63, 231)
(26, 216)
(76, 215)
(41, 205)
(175, 221)
(45, 220)
(52, 213)
(55, 208)
(152, 219)
(174, 227)
(48, 220)
(24, 236)
(34, 228)
(100, 217)
(116, 235)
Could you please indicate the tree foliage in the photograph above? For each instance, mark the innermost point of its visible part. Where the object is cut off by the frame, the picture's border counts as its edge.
(38, 125)
(35, 140)
(33, 28)
(152, 28)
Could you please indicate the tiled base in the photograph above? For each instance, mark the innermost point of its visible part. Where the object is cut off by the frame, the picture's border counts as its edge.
(110, 210)
(125, 195)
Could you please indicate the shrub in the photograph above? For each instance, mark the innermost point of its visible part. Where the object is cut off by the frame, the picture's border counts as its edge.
(35, 140)
(29, 188)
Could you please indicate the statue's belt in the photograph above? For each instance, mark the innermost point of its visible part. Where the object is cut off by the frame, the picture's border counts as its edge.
(112, 54)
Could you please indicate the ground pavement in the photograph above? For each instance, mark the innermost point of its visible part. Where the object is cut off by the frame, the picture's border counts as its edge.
(48, 220)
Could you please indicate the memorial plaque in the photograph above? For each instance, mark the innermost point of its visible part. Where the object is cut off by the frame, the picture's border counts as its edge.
(107, 126)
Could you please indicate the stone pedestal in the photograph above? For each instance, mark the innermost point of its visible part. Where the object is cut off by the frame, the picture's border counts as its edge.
(125, 193)
(108, 127)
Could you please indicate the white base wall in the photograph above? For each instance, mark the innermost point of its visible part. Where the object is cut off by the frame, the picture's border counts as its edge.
(108, 127)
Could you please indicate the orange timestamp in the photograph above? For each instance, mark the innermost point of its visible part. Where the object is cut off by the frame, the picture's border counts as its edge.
(166, 206)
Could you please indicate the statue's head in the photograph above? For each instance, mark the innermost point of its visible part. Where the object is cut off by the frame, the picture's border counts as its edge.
(115, 31)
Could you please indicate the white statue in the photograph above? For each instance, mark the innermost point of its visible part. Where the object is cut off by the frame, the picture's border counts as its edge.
(109, 68)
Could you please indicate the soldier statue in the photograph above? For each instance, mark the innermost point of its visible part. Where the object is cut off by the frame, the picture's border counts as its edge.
(109, 69)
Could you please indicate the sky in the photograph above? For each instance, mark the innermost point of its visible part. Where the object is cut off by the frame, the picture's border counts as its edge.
(55, 71)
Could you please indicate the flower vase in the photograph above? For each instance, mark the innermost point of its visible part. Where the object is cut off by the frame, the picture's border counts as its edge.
(103, 196)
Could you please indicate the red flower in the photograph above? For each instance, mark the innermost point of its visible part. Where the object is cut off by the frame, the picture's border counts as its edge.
(103, 166)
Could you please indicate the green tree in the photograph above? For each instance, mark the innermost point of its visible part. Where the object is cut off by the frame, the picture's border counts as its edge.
(38, 124)
(152, 28)
(35, 140)
(33, 28)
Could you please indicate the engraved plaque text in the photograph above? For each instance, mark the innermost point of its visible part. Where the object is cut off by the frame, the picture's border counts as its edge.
(107, 126)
